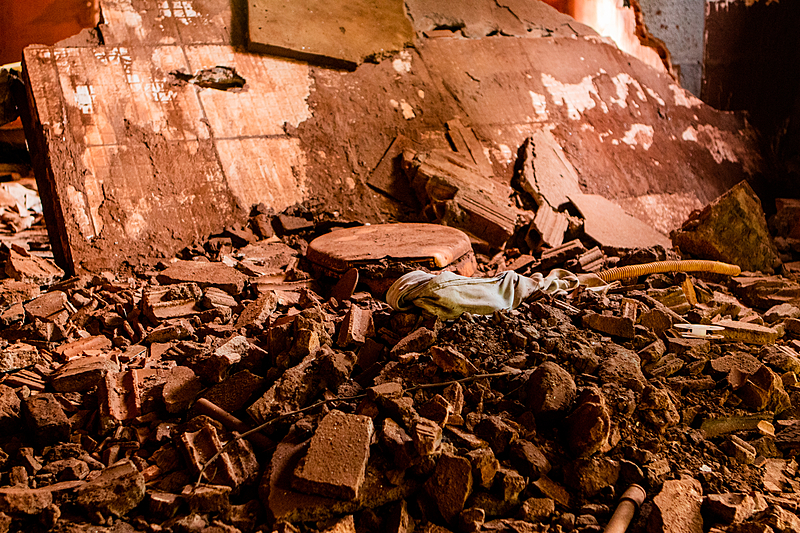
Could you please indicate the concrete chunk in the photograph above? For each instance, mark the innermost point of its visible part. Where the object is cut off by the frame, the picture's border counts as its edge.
(45, 418)
(677, 507)
(117, 490)
(450, 485)
(337, 457)
(731, 229)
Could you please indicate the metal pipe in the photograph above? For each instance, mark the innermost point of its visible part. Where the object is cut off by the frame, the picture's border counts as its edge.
(629, 503)
(208, 408)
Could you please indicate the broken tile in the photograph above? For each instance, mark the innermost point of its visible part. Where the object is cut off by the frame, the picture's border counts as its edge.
(356, 327)
(236, 466)
(28, 268)
(737, 331)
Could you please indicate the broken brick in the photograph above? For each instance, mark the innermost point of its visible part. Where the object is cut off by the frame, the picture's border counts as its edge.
(234, 467)
(205, 274)
(356, 327)
(180, 390)
(450, 485)
(118, 489)
(337, 457)
(82, 373)
(618, 326)
(45, 418)
(677, 507)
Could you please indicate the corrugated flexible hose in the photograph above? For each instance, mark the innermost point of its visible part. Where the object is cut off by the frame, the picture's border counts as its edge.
(692, 265)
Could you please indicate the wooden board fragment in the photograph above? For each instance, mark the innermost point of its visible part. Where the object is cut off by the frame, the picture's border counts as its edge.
(138, 164)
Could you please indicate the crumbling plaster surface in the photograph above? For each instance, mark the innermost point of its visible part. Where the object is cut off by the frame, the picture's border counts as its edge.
(679, 24)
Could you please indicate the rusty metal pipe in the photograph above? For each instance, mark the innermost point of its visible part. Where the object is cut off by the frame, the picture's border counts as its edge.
(692, 265)
(629, 503)
(212, 410)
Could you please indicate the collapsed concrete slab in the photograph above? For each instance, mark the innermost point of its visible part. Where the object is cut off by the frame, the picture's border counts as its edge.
(134, 164)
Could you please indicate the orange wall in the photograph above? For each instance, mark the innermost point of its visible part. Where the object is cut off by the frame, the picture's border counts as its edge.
(24, 22)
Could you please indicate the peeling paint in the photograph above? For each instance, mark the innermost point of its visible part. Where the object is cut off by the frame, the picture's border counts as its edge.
(639, 134)
(713, 140)
(84, 98)
(576, 96)
(539, 105)
(621, 82)
(181, 10)
(683, 97)
(505, 155)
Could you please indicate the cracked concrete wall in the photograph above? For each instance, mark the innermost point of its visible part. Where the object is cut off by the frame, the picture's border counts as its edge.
(680, 24)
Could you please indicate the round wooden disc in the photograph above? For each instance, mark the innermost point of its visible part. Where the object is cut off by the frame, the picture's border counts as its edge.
(346, 248)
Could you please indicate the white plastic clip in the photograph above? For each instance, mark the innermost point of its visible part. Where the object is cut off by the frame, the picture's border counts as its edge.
(700, 331)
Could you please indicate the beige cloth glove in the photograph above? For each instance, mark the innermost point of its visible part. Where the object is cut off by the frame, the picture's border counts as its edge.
(448, 295)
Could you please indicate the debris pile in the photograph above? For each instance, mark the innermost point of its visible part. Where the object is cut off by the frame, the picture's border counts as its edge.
(243, 387)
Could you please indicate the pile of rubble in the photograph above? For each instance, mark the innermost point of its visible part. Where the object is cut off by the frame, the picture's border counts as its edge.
(127, 402)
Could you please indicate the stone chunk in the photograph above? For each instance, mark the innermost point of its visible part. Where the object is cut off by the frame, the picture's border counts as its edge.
(45, 418)
(484, 466)
(28, 268)
(588, 427)
(233, 393)
(622, 367)
(9, 408)
(551, 389)
(731, 229)
(537, 510)
(172, 301)
(529, 459)
(450, 485)
(18, 356)
(117, 490)
(590, 476)
(208, 274)
(337, 457)
(49, 307)
(496, 432)
(733, 507)
(781, 312)
(417, 341)
(451, 360)
(618, 326)
(24, 501)
(676, 508)
(16, 292)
